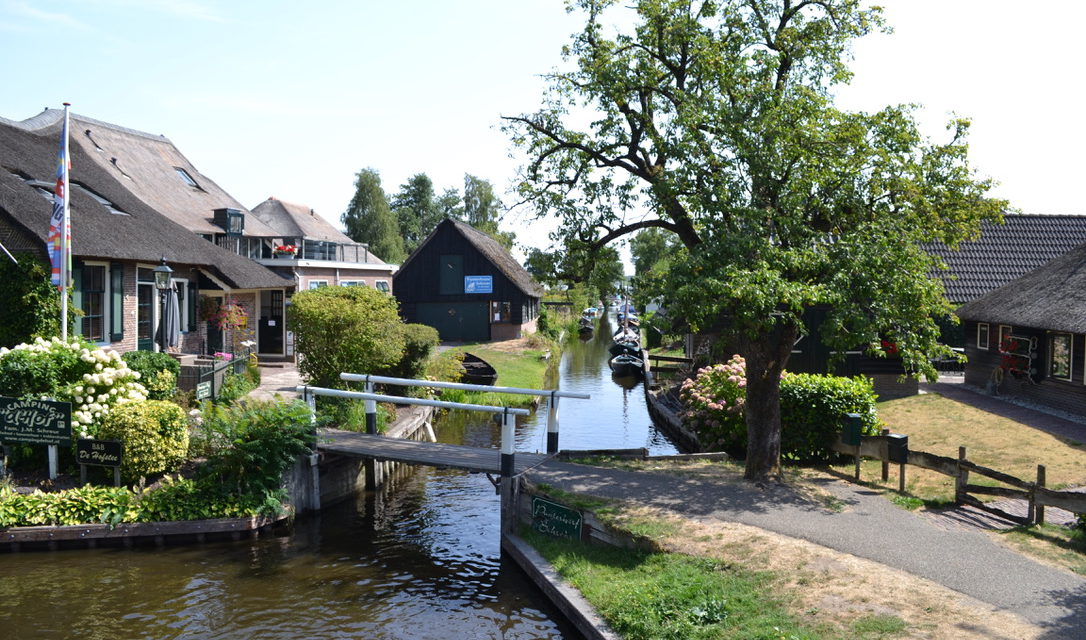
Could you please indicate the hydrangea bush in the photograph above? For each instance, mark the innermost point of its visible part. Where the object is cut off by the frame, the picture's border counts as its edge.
(94, 380)
(812, 409)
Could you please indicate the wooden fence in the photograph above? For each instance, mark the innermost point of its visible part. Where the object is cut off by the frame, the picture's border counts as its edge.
(1034, 493)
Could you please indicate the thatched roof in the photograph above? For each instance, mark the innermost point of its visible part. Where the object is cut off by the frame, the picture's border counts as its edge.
(291, 220)
(148, 166)
(1051, 297)
(493, 252)
(1006, 251)
(139, 233)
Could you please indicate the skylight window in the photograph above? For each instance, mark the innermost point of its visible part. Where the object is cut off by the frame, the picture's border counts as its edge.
(186, 177)
(102, 201)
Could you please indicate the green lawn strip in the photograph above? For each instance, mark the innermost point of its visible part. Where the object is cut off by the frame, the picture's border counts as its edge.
(1050, 543)
(644, 595)
(525, 370)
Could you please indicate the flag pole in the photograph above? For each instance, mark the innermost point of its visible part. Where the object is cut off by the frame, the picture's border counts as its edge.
(65, 228)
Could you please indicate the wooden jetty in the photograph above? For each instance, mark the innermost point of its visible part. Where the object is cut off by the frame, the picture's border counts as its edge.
(433, 454)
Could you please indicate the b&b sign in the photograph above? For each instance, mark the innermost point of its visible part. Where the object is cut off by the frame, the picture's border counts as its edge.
(100, 453)
(35, 421)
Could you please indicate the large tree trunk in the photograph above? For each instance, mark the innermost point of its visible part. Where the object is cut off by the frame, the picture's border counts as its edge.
(766, 357)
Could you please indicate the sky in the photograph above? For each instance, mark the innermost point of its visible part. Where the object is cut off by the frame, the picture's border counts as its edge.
(292, 99)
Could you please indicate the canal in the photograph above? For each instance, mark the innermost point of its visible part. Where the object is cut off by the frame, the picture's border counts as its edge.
(418, 559)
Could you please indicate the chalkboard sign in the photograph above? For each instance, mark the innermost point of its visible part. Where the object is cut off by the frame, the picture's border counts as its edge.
(100, 453)
(35, 421)
(555, 519)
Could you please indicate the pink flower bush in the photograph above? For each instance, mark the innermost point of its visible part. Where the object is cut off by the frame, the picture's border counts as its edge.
(714, 401)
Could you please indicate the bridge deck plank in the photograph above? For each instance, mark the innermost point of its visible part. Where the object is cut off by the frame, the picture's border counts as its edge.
(434, 454)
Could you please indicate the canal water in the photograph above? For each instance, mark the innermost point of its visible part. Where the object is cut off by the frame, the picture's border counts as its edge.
(419, 559)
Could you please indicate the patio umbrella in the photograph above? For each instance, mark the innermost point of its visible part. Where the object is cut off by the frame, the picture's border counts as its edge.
(171, 322)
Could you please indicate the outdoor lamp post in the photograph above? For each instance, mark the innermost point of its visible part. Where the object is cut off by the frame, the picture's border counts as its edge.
(163, 281)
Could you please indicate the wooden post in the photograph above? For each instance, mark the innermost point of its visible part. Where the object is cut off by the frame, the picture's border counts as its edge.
(371, 411)
(856, 455)
(53, 464)
(509, 422)
(885, 460)
(962, 479)
(901, 478)
(1038, 509)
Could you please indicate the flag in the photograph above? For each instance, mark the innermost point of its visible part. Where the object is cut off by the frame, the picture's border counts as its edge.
(58, 245)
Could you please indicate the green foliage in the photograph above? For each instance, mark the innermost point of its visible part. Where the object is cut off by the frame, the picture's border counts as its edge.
(549, 322)
(250, 446)
(94, 380)
(416, 209)
(483, 210)
(445, 367)
(369, 218)
(234, 387)
(155, 436)
(419, 342)
(31, 304)
(158, 372)
(813, 408)
(352, 329)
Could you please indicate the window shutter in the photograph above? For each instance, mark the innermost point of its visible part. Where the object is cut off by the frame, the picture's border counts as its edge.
(116, 302)
(191, 302)
(77, 297)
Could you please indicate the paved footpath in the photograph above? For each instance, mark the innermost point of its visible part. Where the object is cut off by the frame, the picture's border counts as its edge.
(869, 527)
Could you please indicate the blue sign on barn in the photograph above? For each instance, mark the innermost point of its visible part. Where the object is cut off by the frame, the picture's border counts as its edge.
(478, 284)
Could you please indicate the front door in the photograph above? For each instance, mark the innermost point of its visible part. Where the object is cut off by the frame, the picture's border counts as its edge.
(271, 322)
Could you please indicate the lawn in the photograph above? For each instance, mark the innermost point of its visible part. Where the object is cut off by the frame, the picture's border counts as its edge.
(939, 425)
(522, 363)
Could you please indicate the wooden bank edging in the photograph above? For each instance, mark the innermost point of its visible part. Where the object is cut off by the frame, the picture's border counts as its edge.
(569, 600)
(132, 533)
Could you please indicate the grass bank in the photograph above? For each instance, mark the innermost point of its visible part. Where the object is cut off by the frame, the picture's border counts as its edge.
(523, 363)
(715, 579)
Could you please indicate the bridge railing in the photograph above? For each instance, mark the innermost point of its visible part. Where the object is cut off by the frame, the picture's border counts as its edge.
(552, 394)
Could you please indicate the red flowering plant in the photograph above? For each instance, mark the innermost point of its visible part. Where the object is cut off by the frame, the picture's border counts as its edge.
(228, 315)
(1010, 360)
(286, 250)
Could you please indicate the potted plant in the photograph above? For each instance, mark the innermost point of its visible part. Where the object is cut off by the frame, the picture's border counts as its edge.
(289, 250)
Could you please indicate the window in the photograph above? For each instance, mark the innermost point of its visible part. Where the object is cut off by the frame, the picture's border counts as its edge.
(382, 286)
(1004, 336)
(352, 283)
(182, 287)
(500, 312)
(982, 335)
(186, 177)
(317, 284)
(1059, 355)
(93, 304)
(451, 279)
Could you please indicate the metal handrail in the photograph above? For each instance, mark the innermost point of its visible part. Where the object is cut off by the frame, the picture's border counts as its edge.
(360, 377)
(425, 402)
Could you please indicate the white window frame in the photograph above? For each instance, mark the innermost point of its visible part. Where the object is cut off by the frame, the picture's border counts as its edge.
(377, 285)
(1008, 333)
(316, 284)
(106, 298)
(987, 335)
(353, 283)
(182, 284)
(1070, 355)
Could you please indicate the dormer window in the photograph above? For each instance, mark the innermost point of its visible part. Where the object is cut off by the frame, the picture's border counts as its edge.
(189, 180)
(230, 220)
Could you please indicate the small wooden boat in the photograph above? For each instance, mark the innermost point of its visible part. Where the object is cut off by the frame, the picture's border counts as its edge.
(626, 365)
(626, 334)
(477, 371)
(628, 348)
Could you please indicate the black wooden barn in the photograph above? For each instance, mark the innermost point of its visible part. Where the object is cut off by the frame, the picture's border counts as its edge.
(467, 286)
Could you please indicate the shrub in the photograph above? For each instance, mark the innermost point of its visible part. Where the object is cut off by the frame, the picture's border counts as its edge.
(94, 380)
(158, 371)
(250, 446)
(337, 329)
(812, 409)
(234, 387)
(155, 436)
(419, 342)
(31, 305)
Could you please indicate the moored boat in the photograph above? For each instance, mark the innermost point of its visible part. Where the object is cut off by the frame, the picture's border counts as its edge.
(477, 371)
(624, 365)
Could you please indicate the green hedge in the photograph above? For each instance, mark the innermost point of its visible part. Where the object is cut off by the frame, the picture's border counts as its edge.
(158, 372)
(813, 408)
(155, 436)
(419, 342)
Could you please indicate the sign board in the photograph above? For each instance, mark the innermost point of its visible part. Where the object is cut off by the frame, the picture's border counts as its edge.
(35, 421)
(478, 284)
(101, 453)
(203, 390)
(555, 519)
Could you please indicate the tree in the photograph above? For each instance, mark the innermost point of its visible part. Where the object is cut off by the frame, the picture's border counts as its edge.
(417, 211)
(449, 205)
(31, 305)
(714, 121)
(483, 210)
(369, 218)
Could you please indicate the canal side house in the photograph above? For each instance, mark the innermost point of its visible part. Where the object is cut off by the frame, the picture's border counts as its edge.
(315, 254)
(461, 282)
(120, 234)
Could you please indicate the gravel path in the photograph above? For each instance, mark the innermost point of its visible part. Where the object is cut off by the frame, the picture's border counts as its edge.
(869, 526)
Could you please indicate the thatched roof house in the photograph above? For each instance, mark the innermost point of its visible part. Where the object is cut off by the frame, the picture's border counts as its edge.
(467, 286)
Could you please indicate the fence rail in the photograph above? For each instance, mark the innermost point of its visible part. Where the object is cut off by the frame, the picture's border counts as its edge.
(1033, 492)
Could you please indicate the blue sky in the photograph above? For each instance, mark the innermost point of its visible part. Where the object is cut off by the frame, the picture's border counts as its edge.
(291, 99)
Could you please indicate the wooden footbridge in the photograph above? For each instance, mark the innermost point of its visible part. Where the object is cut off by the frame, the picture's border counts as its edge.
(503, 461)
